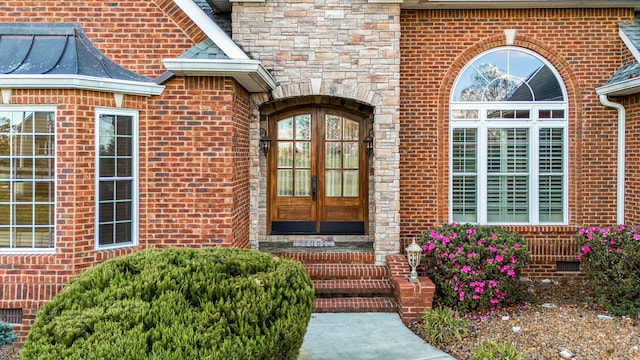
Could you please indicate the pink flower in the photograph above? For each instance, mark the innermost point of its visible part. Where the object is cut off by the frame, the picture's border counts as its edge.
(586, 249)
(495, 301)
(493, 236)
(470, 255)
(511, 273)
(461, 295)
(499, 258)
(489, 261)
(465, 269)
(516, 246)
(476, 296)
(493, 283)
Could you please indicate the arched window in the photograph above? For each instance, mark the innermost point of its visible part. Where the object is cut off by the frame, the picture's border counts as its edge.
(508, 136)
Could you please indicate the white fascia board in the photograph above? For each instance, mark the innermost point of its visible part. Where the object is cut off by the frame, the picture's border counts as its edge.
(80, 82)
(630, 45)
(249, 73)
(213, 31)
(628, 87)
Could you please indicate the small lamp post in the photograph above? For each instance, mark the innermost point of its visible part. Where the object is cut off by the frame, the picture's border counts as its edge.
(413, 256)
(265, 142)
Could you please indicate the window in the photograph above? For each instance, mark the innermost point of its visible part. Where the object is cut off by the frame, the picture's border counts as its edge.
(508, 153)
(117, 183)
(27, 180)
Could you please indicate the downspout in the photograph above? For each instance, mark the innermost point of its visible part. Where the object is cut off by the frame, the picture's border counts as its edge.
(604, 100)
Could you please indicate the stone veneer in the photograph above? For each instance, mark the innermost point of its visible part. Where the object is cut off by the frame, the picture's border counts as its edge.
(337, 48)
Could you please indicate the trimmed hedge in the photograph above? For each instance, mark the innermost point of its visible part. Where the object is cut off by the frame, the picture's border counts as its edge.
(209, 303)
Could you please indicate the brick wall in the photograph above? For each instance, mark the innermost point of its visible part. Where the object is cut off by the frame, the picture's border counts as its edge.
(632, 190)
(193, 140)
(582, 44)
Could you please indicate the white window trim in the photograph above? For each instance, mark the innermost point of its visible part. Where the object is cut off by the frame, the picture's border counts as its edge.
(51, 250)
(534, 124)
(135, 172)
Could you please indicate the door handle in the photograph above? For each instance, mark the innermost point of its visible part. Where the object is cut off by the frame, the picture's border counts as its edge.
(314, 187)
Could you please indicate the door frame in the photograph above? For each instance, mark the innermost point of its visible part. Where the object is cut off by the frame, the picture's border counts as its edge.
(318, 140)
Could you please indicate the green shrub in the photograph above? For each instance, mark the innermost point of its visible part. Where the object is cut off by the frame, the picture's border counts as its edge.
(210, 303)
(442, 326)
(610, 259)
(474, 267)
(7, 337)
(496, 350)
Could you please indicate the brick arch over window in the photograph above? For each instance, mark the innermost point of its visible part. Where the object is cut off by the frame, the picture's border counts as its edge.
(575, 121)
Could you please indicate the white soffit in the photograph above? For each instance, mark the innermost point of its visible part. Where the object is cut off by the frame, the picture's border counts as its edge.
(623, 88)
(249, 73)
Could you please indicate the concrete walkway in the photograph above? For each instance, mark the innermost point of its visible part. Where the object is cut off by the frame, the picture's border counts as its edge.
(364, 336)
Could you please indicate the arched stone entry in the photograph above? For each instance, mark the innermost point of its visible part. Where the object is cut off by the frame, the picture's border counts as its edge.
(382, 168)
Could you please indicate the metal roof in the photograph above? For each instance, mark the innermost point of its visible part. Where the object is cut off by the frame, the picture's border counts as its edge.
(55, 49)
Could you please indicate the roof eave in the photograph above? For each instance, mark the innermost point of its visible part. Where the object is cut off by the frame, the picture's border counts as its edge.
(623, 88)
(81, 82)
(504, 4)
(249, 73)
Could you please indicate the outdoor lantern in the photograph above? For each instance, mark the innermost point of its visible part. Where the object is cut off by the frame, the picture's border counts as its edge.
(368, 143)
(265, 142)
(413, 255)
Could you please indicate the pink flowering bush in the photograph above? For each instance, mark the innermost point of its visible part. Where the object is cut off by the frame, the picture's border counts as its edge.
(610, 259)
(474, 267)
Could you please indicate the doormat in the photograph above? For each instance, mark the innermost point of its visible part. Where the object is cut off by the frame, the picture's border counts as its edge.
(314, 243)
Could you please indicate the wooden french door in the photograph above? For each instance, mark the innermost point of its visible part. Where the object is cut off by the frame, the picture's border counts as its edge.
(318, 172)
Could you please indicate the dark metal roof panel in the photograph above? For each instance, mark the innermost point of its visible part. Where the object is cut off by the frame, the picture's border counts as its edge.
(55, 48)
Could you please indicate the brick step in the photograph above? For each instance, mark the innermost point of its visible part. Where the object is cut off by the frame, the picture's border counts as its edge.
(329, 257)
(346, 271)
(352, 288)
(355, 304)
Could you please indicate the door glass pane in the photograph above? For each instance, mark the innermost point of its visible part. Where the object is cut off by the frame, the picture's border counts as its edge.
(351, 155)
(303, 155)
(351, 183)
(303, 183)
(351, 129)
(285, 154)
(303, 127)
(285, 129)
(333, 182)
(285, 182)
(333, 158)
(333, 127)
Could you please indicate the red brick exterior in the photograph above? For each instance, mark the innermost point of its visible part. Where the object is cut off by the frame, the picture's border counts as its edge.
(193, 142)
(585, 48)
(632, 139)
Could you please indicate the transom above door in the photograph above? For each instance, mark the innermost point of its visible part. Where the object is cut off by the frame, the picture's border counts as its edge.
(318, 172)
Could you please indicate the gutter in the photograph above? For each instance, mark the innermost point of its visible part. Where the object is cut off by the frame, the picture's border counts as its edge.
(604, 100)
